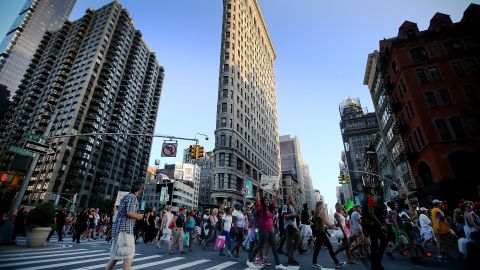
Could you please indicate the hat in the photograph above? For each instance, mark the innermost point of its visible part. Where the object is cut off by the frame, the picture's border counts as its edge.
(435, 201)
(236, 204)
(404, 214)
(423, 209)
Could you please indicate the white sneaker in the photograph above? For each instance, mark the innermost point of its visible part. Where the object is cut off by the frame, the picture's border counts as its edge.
(251, 265)
(280, 266)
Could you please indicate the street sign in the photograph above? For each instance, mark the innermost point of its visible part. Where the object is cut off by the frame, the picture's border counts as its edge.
(40, 148)
(21, 151)
(30, 137)
(169, 149)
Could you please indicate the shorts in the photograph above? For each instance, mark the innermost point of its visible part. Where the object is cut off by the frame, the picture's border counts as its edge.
(251, 235)
(125, 250)
(238, 236)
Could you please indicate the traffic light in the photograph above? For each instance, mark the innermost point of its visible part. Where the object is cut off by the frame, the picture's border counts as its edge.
(199, 151)
(193, 151)
(340, 180)
(347, 179)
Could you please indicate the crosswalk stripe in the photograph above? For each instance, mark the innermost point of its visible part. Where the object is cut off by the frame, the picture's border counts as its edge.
(35, 253)
(17, 252)
(290, 267)
(65, 264)
(49, 255)
(102, 265)
(186, 265)
(50, 260)
(221, 266)
(145, 265)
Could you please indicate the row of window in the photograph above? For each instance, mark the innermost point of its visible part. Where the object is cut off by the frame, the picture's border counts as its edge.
(450, 46)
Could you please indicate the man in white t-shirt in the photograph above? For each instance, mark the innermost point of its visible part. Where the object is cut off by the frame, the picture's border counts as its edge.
(238, 229)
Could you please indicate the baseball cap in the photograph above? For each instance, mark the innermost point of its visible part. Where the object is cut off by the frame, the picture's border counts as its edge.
(435, 201)
(423, 209)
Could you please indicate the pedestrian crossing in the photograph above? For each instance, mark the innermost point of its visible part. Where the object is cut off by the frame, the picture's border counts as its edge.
(88, 259)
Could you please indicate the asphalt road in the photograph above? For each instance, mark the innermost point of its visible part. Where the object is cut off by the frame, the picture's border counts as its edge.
(94, 255)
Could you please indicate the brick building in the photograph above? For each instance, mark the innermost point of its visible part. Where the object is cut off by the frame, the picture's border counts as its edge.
(431, 79)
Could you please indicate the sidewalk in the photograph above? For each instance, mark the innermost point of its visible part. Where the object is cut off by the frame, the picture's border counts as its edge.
(21, 246)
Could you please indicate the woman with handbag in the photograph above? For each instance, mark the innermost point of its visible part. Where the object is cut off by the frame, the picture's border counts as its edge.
(320, 233)
(165, 226)
(226, 227)
(190, 227)
(212, 230)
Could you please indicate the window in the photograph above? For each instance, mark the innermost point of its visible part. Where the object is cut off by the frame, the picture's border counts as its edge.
(434, 73)
(225, 93)
(231, 124)
(470, 93)
(471, 67)
(227, 56)
(445, 97)
(394, 66)
(422, 78)
(457, 67)
(221, 159)
(436, 50)
(222, 140)
(224, 107)
(420, 136)
(418, 54)
(431, 100)
(453, 45)
(457, 127)
(442, 129)
(221, 179)
(226, 68)
(223, 122)
(225, 80)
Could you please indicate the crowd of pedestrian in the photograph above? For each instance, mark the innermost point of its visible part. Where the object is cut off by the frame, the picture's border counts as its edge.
(364, 231)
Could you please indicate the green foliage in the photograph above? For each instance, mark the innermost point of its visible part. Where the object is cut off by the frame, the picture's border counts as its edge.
(41, 216)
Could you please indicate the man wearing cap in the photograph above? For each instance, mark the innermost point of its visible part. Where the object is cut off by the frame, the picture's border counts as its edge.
(426, 229)
(441, 229)
(238, 229)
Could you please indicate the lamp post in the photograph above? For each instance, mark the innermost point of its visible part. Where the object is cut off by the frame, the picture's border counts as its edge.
(397, 174)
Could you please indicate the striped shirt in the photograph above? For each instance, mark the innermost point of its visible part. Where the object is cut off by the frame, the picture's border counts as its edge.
(123, 223)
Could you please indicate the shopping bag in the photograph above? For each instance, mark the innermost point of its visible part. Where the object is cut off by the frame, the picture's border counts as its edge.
(220, 242)
(186, 239)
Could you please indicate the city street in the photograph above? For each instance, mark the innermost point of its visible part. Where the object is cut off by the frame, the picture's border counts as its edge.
(94, 255)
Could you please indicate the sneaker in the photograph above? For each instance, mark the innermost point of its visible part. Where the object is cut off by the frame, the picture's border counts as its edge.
(258, 262)
(251, 265)
(316, 265)
(441, 259)
(280, 266)
(265, 262)
(339, 264)
(229, 254)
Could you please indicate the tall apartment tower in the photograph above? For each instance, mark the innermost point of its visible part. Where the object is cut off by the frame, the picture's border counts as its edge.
(246, 134)
(19, 45)
(357, 129)
(94, 75)
(389, 147)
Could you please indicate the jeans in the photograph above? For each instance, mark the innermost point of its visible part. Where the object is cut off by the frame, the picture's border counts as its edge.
(293, 241)
(228, 242)
(377, 249)
(264, 237)
(321, 238)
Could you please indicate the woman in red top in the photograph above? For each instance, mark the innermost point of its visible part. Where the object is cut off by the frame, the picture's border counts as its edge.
(265, 210)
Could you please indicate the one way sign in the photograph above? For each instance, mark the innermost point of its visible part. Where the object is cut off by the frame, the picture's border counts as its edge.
(40, 148)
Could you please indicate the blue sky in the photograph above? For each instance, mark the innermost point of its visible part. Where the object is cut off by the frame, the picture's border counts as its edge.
(321, 47)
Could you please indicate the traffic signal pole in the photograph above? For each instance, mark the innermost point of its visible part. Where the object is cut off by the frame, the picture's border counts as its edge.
(33, 164)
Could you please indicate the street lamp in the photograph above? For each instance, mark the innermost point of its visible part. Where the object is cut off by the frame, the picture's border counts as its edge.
(397, 174)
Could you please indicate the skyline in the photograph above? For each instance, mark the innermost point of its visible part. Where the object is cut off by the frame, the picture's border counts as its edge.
(304, 61)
